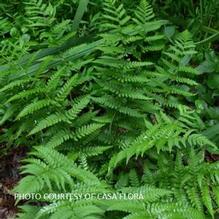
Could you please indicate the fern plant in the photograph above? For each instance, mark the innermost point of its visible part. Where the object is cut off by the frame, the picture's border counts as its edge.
(109, 112)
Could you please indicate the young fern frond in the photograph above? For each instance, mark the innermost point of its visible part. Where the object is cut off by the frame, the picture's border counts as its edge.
(143, 13)
(159, 136)
(78, 105)
(65, 135)
(54, 80)
(48, 122)
(66, 89)
(51, 169)
(114, 17)
(133, 177)
(39, 14)
(14, 84)
(113, 103)
(206, 197)
(27, 94)
(33, 107)
(94, 151)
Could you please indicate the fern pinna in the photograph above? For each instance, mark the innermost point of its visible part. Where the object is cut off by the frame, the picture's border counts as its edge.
(110, 113)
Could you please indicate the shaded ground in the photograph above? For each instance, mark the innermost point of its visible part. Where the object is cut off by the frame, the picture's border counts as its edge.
(9, 176)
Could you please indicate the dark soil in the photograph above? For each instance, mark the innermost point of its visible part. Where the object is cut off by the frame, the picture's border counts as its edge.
(9, 176)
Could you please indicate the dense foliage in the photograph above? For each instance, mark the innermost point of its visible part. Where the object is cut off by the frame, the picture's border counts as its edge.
(109, 98)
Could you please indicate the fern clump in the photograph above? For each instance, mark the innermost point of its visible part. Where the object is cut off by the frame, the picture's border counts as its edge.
(104, 103)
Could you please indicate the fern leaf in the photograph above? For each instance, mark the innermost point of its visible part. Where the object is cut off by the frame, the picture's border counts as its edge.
(64, 135)
(27, 94)
(65, 90)
(17, 83)
(206, 197)
(143, 13)
(48, 121)
(33, 107)
(78, 106)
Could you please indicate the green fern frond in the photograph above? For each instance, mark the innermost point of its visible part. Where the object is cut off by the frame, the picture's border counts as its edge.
(114, 16)
(112, 103)
(206, 197)
(133, 177)
(65, 135)
(139, 216)
(122, 91)
(36, 9)
(27, 93)
(86, 130)
(194, 196)
(33, 107)
(18, 83)
(128, 206)
(54, 80)
(78, 105)
(48, 122)
(143, 13)
(66, 89)
(199, 139)
(94, 151)
(51, 169)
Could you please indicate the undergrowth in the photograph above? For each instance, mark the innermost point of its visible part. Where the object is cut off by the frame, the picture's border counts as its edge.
(108, 100)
